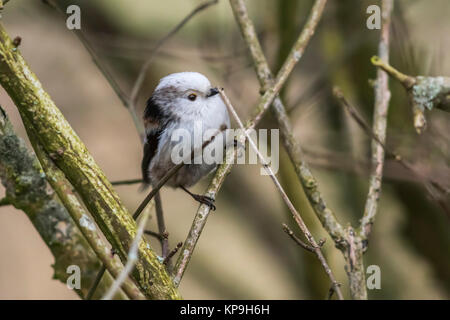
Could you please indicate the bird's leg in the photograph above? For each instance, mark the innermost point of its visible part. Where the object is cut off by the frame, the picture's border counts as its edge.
(201, 198)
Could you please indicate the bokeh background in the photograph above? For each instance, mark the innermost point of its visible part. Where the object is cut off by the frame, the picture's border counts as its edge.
(243, 252)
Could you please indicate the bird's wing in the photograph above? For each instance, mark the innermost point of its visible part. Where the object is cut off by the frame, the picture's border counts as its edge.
(154, 125)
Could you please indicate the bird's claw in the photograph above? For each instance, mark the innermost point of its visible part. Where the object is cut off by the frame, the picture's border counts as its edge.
(206, 200)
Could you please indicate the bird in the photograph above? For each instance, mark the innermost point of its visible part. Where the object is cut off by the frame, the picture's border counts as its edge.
(182, 101)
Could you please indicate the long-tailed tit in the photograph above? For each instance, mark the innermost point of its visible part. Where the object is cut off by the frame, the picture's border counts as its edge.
(181, 103)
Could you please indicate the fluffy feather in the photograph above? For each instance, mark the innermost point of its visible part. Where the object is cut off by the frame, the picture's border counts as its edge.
(168, 109)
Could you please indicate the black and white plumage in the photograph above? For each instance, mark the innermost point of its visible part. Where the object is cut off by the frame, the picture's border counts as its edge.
(181, 101)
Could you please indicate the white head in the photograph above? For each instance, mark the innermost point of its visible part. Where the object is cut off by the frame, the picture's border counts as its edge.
(185, 92)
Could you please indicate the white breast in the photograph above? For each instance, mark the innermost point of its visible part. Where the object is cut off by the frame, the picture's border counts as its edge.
(206, 120)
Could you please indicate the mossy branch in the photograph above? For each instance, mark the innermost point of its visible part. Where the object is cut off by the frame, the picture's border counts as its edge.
(81, 218)
(27, 190)
(69, 153)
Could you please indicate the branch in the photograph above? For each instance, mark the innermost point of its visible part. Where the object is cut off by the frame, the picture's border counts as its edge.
(142, 73)
(28, 190)
(298, 241)
(127, 182)
(313, 245)
(131, 259)
(71, 156)
(104, 70)
(130, 103)
(308, 181)
(293, 58)
(84, 223)
(265, 101)
(430, 185)
(382, 98)
(425, 93)
(356, 270)
(172, 253)
(132, 255)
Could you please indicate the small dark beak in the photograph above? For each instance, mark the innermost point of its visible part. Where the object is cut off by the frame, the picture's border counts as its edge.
(212, 92)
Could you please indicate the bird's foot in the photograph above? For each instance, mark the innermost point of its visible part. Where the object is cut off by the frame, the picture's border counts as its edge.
(205, 200)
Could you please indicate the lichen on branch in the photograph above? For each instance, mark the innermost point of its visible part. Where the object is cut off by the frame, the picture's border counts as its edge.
(424, 93)
(69, 153)
(27, 190)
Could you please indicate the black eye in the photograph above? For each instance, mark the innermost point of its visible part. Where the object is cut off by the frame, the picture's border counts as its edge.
(192, 96)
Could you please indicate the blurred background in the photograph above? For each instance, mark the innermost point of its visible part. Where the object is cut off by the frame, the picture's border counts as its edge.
(243, 252)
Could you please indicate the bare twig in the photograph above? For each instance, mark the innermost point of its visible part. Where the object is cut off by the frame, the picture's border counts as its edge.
(296, 239)
(103, 69)
(382, 98)
(163, 235)
(142, 73)
(161, 226)
(126, 182)
(314, 247)
(155, 234)
(404, 79)
(172, 253)
(430, 185)
(293, 58)
(169, 174)
(203, 212)
(28, 190)
(130, 104)
(293, 148)
(88, 228)
(97, 280)
(424, 93)
(70, 155)
(131, 259)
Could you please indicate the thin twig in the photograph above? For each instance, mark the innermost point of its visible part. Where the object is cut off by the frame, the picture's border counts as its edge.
(130, 103)
(153, 234)
(26, 188)
(104, 70)
(293, 148)
(131, 260)
(127, 182)
(161, 226)
(296, 239)
(404, 79)
(97, 280)
(203, 212)
(382, 98)
(169, 174)
(100, 273)
(293, 58)
(142, 73)
(313, 244)
(172, 253)
(430, 185)
(87, 227)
